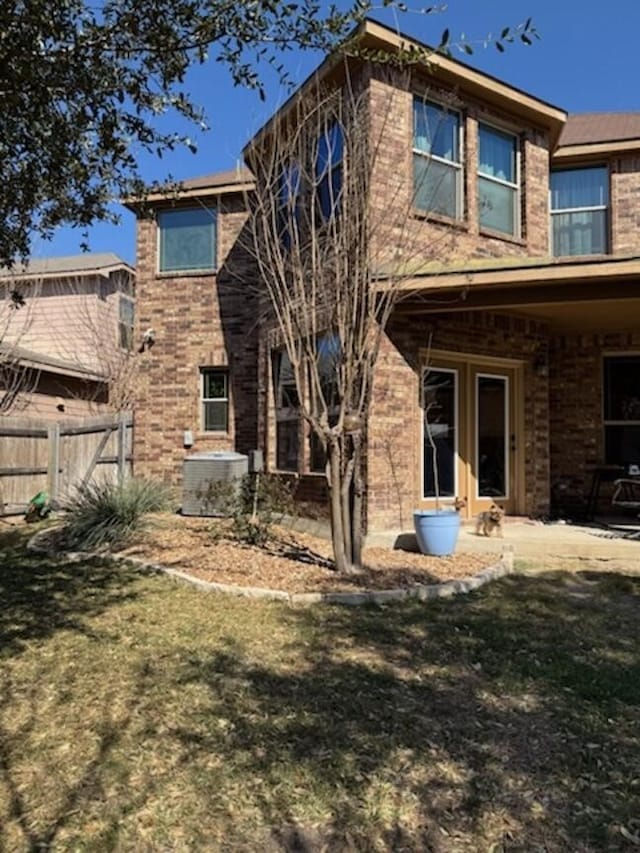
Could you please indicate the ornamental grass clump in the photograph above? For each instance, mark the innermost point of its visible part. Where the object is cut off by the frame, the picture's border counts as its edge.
(102, 515)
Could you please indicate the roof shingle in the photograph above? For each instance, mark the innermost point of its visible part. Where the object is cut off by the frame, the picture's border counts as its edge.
(591, 128)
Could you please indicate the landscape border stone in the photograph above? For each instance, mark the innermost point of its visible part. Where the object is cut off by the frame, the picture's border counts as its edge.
(422, 592)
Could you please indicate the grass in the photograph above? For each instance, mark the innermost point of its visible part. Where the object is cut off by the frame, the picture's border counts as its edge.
(137, 714)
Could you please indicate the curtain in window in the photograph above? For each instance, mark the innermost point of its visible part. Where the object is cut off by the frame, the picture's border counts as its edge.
(497, 154)
(573, 188)
(436, 131)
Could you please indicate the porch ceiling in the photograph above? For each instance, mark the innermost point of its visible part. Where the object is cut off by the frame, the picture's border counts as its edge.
(572, 296)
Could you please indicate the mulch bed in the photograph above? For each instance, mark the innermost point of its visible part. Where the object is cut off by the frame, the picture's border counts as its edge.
(292, 562)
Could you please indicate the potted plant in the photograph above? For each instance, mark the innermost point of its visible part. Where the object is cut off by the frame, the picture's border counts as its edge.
(436, 529)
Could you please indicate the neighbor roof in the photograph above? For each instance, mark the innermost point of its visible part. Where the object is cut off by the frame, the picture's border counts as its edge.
(235, 180)
(592, 128)
(99, 263)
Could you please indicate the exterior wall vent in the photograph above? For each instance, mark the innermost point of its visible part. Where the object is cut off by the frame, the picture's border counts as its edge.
(200, 471)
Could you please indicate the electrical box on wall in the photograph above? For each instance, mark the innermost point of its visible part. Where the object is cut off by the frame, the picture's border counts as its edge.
(256, 461)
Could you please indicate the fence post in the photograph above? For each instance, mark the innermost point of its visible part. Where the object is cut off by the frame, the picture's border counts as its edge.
(122, 447)
(53, 472)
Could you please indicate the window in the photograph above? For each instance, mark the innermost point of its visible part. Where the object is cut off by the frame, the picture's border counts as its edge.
(287, 412)
(187, 240)
(622, 409)
(215, 399)
(579, 202)
(328, 348)
(498, 181)
(437, 163)
(125, 323)
(289, 204)
(329, 169)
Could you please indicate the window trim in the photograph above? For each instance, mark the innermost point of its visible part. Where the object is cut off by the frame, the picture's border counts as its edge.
(517, 186)
(457, 165)
(214, 209)
(553, 212)
(223, 371)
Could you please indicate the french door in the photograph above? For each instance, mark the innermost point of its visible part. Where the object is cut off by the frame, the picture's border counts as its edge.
(470, 436)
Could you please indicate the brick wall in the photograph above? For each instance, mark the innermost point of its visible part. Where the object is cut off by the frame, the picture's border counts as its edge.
(625, 205)
(199, 321)
(576, 385)
(417, 239)
(394, 435)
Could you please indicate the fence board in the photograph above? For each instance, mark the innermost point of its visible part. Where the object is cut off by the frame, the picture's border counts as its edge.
(40, 455)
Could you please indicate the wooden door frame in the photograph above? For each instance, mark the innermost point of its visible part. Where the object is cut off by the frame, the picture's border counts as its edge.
(468, 365)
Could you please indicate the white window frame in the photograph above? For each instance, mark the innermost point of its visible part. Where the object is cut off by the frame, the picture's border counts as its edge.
(213, 209)
(507, 405)
(456, 447)
(559, 211)
(458, 165)
(517, 186)
(224, 371)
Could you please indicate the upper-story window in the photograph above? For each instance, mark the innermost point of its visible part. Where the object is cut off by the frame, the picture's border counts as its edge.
(579, 211)
(329, 169)
(498, 181)
(289, 199)
(187, 241)
(437, 159)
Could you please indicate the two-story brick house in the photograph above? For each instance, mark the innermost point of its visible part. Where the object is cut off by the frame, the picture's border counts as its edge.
(529, 326)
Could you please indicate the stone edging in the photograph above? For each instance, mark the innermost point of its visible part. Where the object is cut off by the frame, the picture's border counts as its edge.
(423, 592)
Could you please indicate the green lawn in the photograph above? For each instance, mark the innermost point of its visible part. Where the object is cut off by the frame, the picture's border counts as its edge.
(137, 714)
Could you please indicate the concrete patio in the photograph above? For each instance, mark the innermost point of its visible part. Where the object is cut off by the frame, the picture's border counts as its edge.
(606, 544)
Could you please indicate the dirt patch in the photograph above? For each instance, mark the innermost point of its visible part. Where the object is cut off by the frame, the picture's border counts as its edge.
(291, 561)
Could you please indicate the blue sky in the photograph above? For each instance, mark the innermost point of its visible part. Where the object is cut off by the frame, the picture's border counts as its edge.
(586, 61)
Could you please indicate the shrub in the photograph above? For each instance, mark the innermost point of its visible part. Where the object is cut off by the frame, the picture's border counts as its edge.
(106, 514)
(253, 504)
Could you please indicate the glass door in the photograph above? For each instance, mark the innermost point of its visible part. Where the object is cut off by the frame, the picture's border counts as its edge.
(440, 389)
(492, 461)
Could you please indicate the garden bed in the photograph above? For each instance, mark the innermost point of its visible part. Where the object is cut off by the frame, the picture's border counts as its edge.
(290, 561)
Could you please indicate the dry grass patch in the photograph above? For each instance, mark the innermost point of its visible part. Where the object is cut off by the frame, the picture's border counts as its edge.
(138, 714)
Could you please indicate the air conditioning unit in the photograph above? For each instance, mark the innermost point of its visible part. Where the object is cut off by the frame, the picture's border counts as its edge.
(201, 472)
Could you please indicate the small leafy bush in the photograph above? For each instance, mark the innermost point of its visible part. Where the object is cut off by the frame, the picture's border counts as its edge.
(106, 514)
(253, 504)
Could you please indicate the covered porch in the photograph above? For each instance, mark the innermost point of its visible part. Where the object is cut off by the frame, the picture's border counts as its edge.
(537, 365)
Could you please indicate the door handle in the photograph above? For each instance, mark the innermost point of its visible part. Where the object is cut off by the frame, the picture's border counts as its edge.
(512, 444)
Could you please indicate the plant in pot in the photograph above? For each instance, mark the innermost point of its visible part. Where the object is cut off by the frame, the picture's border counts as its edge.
(437, 529)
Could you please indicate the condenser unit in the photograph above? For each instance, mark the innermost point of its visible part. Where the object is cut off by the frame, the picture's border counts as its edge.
(204, 476)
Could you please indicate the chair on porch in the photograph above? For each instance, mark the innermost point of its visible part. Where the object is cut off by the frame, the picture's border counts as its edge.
(626, 490)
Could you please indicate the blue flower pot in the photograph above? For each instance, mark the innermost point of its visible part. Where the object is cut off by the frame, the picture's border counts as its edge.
(437, 531)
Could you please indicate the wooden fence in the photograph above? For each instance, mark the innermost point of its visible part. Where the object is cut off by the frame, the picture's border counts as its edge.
(38, 455)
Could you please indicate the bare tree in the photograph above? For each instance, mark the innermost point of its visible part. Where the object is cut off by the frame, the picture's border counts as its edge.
(331, 259)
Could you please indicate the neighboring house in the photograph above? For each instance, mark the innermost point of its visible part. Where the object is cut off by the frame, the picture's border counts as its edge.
(534, 319)
(66, 334)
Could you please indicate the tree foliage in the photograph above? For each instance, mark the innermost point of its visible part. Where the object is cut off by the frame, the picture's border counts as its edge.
(83, 84)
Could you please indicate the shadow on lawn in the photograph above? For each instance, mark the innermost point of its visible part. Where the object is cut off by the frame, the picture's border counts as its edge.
(511, 718)
(40, 595)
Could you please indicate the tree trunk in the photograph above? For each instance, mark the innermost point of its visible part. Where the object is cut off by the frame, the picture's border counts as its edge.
(356, 504)
(345, 534)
